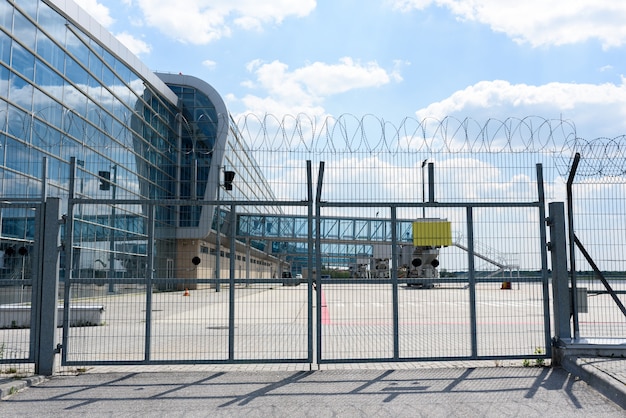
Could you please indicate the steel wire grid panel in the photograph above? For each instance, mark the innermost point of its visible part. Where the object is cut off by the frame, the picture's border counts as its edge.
(495, 308)
(193, 326)
(15, 321)
(469, 316)
(179, 311)
(18, 267)
(16, 294)
(599, 317)
(598, 211)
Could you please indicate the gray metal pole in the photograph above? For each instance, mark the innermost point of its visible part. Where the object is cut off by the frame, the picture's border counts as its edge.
(68, 248)
(38, 252)
(472, 280)
(231, 281)
(424, 188)
(148, 276)
(544, 260)
(572, 246)
(310, 245)
(560, 288)
(318, 259)
(218, 243)
(48, 296)
(431, 182)
(394, 283)
(112, 238)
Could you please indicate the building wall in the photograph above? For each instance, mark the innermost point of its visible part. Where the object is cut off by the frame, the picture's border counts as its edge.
(70, 91)
(248, 263)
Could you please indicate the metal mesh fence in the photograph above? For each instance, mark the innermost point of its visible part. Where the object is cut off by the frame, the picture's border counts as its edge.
(143, 292)
(18, 256)
(189, 300)
(599, 221)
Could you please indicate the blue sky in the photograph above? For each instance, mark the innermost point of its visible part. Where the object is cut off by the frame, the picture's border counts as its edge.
(391, 58)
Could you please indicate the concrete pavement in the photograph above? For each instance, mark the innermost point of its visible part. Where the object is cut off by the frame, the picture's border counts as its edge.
(606, 375)
(345, 390)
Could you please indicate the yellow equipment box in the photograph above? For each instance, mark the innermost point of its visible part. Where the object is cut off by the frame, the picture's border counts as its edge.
(432, 233)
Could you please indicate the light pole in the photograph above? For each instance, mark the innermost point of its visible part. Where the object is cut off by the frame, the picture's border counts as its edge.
(228, 185)
(424, 188)
(112, 240)
(218, 230)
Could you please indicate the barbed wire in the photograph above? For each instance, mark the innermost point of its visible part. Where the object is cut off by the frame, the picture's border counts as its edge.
(369, 134)
(600, 157)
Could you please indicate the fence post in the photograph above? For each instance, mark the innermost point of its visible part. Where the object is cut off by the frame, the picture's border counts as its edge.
(47, 297)
(560, 287)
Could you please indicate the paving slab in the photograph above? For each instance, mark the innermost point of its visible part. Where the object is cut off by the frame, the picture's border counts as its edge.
(433, 392)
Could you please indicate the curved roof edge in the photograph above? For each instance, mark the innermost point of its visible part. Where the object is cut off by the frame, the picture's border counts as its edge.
(80, 18)
(199, 84)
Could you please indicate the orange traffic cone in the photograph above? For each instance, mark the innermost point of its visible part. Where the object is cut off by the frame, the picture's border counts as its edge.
(186, 292)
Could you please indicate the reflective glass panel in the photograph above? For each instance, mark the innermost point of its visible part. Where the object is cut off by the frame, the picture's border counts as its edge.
(22, 61)
(4, 82)
(77, 74)
(48, 80)
(76, 47)
(20, 91)
(45, 137)
(50, 52)
(29, 7)
(6, 15)
(24, 30)
(5, 48)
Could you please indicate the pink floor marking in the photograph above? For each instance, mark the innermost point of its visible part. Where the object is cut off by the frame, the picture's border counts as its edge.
(325, 312)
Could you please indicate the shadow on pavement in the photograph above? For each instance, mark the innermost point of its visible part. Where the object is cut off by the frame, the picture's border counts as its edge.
(494, 391)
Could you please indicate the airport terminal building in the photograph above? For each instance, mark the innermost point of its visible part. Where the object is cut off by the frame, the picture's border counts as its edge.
(81, 116)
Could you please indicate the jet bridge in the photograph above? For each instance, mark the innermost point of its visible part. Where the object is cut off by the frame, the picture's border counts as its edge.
(357, 243)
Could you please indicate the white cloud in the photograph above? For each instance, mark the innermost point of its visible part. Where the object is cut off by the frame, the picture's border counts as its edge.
(97, 11)
(203, 21)
(540, 22)
(596, 110)
(209, 64)
(287, 96)
(305, 89)
(136, 46)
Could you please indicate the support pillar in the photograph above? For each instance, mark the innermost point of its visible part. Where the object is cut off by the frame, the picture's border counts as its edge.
(560, 287)
(48, 275)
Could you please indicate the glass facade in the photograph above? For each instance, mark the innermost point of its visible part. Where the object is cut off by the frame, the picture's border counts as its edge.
(63, 95)
(198, 128)
(68, 95)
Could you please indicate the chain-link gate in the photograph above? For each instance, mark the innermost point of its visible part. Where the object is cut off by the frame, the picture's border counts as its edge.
(397, 306)
(150, 297)
(286, 288)
(593, 287)
(362, 269)
(28, 285)
(17, 252)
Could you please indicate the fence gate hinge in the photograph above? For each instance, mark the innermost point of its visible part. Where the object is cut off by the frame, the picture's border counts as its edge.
(58, 348)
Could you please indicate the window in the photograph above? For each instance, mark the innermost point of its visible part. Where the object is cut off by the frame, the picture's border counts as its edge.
(23, 61)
